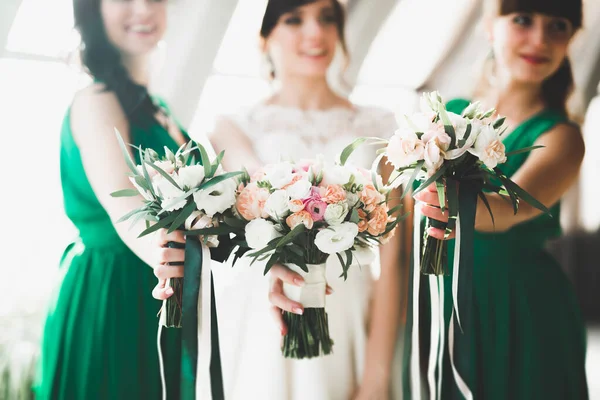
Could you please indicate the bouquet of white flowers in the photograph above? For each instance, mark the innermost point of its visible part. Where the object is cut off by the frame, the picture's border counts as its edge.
(311, 215)
(180, 192)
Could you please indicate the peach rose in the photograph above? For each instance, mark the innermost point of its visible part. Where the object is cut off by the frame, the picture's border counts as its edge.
(296, 206)
(302, 217)
(362, 224)
(377, 221)
(333, 194)
(251, 202)
(295, 178)
(371, 197)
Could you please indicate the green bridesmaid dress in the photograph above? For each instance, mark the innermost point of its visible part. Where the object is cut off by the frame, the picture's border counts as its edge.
(100, 337)
(528, 336)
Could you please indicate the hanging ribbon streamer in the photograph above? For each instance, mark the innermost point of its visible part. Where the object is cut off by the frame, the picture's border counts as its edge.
(462, 293)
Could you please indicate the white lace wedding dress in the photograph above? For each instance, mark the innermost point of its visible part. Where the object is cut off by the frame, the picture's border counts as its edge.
(253, 367)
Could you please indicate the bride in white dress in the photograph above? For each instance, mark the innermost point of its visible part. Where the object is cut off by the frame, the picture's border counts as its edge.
(305, 118)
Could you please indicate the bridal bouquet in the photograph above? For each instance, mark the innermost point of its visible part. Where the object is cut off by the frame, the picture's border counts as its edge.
(451, 151)
(180, 191)
(311, 216)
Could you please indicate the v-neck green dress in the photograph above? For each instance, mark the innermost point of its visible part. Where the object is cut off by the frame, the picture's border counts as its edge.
(100, 336)
(529, 338)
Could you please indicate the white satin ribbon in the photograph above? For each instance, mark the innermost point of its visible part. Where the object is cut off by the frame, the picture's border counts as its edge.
(312, 294)
(203, 387)
(434, 348)
(415, 369)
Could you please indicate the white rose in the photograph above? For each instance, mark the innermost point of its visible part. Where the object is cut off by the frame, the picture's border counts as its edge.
(404, 148)
(336, 175)
(279, 175)
(277, 205)
(259, 232)
(217, 198)
(299, 190)
(190, 177)
(171, 197)
(489, 147)
(337, 239)
(433, 157)
(336, 213)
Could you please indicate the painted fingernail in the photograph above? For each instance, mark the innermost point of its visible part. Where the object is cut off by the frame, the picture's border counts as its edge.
(169, 291)
(299, 282)
(298, 311)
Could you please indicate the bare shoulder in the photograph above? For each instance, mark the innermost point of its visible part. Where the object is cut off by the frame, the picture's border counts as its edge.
(94, 108)
(565, 138)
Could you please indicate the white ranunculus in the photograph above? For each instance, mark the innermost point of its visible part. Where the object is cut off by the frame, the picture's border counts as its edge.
(404, 148)
(336, 239)
(190, 177)
(171, 197)
(299, 190)
(279, 175)
(489, 147)
(277, 205)
(336, 213)
(216, 198)
(259, 232)
(336, 175)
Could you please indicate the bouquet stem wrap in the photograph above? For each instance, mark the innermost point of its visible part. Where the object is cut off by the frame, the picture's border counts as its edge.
(308, 334)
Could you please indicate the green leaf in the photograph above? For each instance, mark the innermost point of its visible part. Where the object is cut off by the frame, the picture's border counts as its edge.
(291, 235)
(205, 159)
(413, 177)
(216, 163)
(433, 178)
(234, 222)
(448, 127)
(128, 159)
(165, 175)
(348, 150)
(343, 275)
(219, 179)
(514, 199)
(524, 150)
(131, 214)
(499, 122)
(125, 193)
(441, 191)
(512, 187)
(182, 216)
(354, 218)
(452, 189)
(274, 258)
(462, 141)
(487, 205)
(159, 225)
(217, 230)
(296, 249)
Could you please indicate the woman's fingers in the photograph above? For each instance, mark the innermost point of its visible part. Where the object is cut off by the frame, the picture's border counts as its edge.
(164, 237)
(165, 271)
(433, 212)
(286, 275)
(160, 292)
(429, 198)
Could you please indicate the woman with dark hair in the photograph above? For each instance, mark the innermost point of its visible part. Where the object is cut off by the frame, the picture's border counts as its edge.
(100, 336)
(303, 118)
(527, 339)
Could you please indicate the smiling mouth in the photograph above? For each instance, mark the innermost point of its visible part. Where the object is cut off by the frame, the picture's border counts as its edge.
(535, 60)
(315, 53)
(142, 29)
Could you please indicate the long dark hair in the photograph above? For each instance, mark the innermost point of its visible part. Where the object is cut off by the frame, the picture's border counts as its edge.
(557, 89)
(276, 8)
(104, 63)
